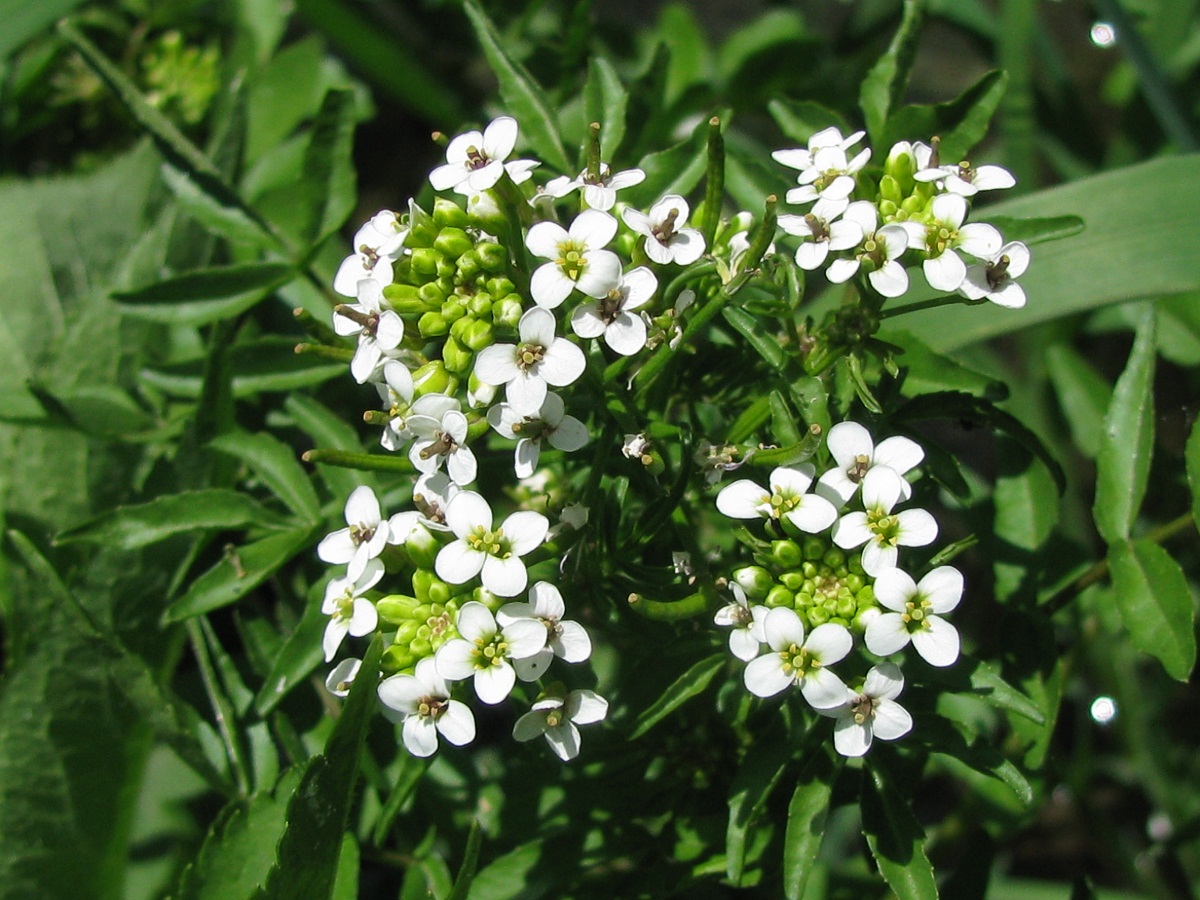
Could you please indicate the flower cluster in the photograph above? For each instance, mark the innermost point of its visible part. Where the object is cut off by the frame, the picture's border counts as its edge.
(805, 605)
(484, 323)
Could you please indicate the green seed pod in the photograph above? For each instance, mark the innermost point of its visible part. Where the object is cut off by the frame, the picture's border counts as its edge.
(669, 610)
(787, 554)
(453, 242)
(425, 261)
(432, 324)
(448, 214)
(492, 257)
(780, 596)
(754, 580)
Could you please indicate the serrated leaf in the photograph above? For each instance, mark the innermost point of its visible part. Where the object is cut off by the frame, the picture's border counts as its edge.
(275, 463)
(523, 97)
(130, 527)
(807, 812)
(1155, 603)
(682, 689)
(1083, 395)
(885, 83)
(239, 849)
(961, 123)
(757, 776)
(1123, 464)
(306, 862)
(242, 570)
(896, 838)
(605, 101)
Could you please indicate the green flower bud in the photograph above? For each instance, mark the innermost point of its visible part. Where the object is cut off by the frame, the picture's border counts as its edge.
(492, 257)
(840, 620)
(754, 580)
(787, 554)
(453, 242)
(454, 308)
(421, 580)
(484, 213)
(447, 269)
(432, 378)
(448, 214)
(459, 327)
(793, 581)
(468, 268)
(888, 210)
(809, 569)
(814, 548)
(834, 557)
(479, 335)
(433, 324)
(817, 615)
(481, 305)
(396, 608)
(439, 592)
(507, 312)
(425, 261)
(866, 597)
(487, 598)
(780, 596)
(432, 295)
(422, 548)
(421, 647)
(398, 659)
(846, 608)
(500, 286)
(889, 189)
(803, 600)
(457, 358)
(914, 206)
(854, 583)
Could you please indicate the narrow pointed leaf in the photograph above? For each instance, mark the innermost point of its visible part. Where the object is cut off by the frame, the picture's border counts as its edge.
(1192, 455)
(1156, 604)
(466, 872)
(752, 785)
(296, 660)
(605, 100)
(961, 123)
(1123, 465)
(763, 341)
(328, 193)
(523, 97)
(676, 170)
(896, 838)
(333, 433)
(1083, 395)
(885, 83)
(686, 686)
(807, 812)
(801, 119)
(276, 464)
(130, 527)
(228, 220)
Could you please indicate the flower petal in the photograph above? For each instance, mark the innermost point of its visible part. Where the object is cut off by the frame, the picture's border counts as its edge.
(525, 530)
(891, 720)
(563, 740)
(742, 499)
(529, 726)
(850, 738)
(764, 677)
(938, 644)
(495, 683)
(419, 735)
(572, 644)
(823, 689)
(829, 643)
(585, 707)
(458, 562)
(942, 587)
(457, 724)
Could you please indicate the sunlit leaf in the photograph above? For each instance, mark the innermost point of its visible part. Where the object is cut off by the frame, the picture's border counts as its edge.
(1156, 604)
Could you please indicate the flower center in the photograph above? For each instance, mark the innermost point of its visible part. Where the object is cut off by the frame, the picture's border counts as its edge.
(863, 709)
(429, 509)
(442, 443)
(781, 503)
(361, 533)
(345, 606)
(572, 259)
(965, 172)
(610, 305)
(741, 616)
(798, 662)
(370, 257)
(858, 469)
(490, 652)
(665, 230)
(818, 226)
(432, 707)
(826, 178)
(997, 273)
(940, 237)
(493, 543)
(554, 718)
(476, 159)
(439, 624)
(916, 614)
(885, 526)
(529, 355)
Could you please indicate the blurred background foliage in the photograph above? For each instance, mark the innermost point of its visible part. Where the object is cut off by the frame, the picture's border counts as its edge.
(105, 403)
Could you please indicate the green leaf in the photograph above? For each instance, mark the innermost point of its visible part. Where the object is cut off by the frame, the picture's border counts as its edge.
(807, 812)
(239, 849)
(961, 123)
(1036, 230)
(927, 371)
(689, 52)
(896, 838)
(466, 872)
(130, 527)
(1155, 603)
(1026, 512)
(238, 573)
(605, 101)
(1083, 395)
(282, 95)
(523, 97)
(783, 425)
(682, 689)
(676, 170)
(1142, 241)
(512, 875)
(757, 776)
(331, 432)
(345, 886)
(306, 862)
(412, 768)
(296, 660)
(762, 340)
(205, 295)
(100, 410)
(228, 220)
(24, 19)
(1123, 464)
(885, 83)
(976, 410)
(275, 463)
(1192, 459)
(801, 119)
(263, 364)
(987, 684)
(328, 192)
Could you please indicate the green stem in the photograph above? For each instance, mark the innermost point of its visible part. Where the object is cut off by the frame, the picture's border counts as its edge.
(340, 354)
(367, 462)
(948, 300)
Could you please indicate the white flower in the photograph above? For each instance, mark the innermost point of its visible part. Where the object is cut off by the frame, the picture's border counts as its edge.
(556, 718)
(942, 237)
(476, 161)
(363, 538)
(574, 516)
(746, 621)
(880, 530)
(550, 424)
(786, 498)
(379, 330)
(870, 712)
(341, 676)
(857, 456)
(667, 240)
(431, 495)
(825, 236)
(612, 315)
(577, 258)
(565, 639)
(877, 252)
(965, 180)
(350, 612)
(829, 176)
(396, 392)
(827, 137)
(496, 555)
(635, 446)
(994, 279)
(599, 193)
(793, 660)
(441, 437)
(916, 611)
(422, 704)
(540, 359)
(376, 245)
(485, 650)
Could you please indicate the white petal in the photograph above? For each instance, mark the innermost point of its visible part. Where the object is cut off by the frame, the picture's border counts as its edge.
(544, 238)
(546, 601)
(468, 511)
(529, 726)
(1010, 296)
(842, 270)
(461, 466)
(497, 364)
(531, 668)
(939, 643)
(626, 335)
(504, 577)
(980, 240)
(945, 272)
(362, 507)
(743, 644)
(570, 434)
(499, 137)
(364, 618)
(783, 629)
(792, 479)
(829, 643)
(335, 632)
(891, 720)
(562, 364)
(573, 644)
(420, 736)
(876, 558)
(811, 255)
(822, 689)
(687, 246)
(495, 683)
(814, 514)
(891, 280)
(475, 622)
(526, 393)
(525, 530)
(550, 286)
(563, 740)
(950, 209)
(640, 285)
(586, 321)
(764, 677)
(942, 587)
(917, 528)
(603, 273)
(899, 453)
(742, 499)
(585, 707)
(458, 562)
(457, 724)
(884, 681)
(593, 228)
(524, 637)
(402, 693)
(525, 458)
(850, 738)
(847, 441)
(851, 530)
(337, 548)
